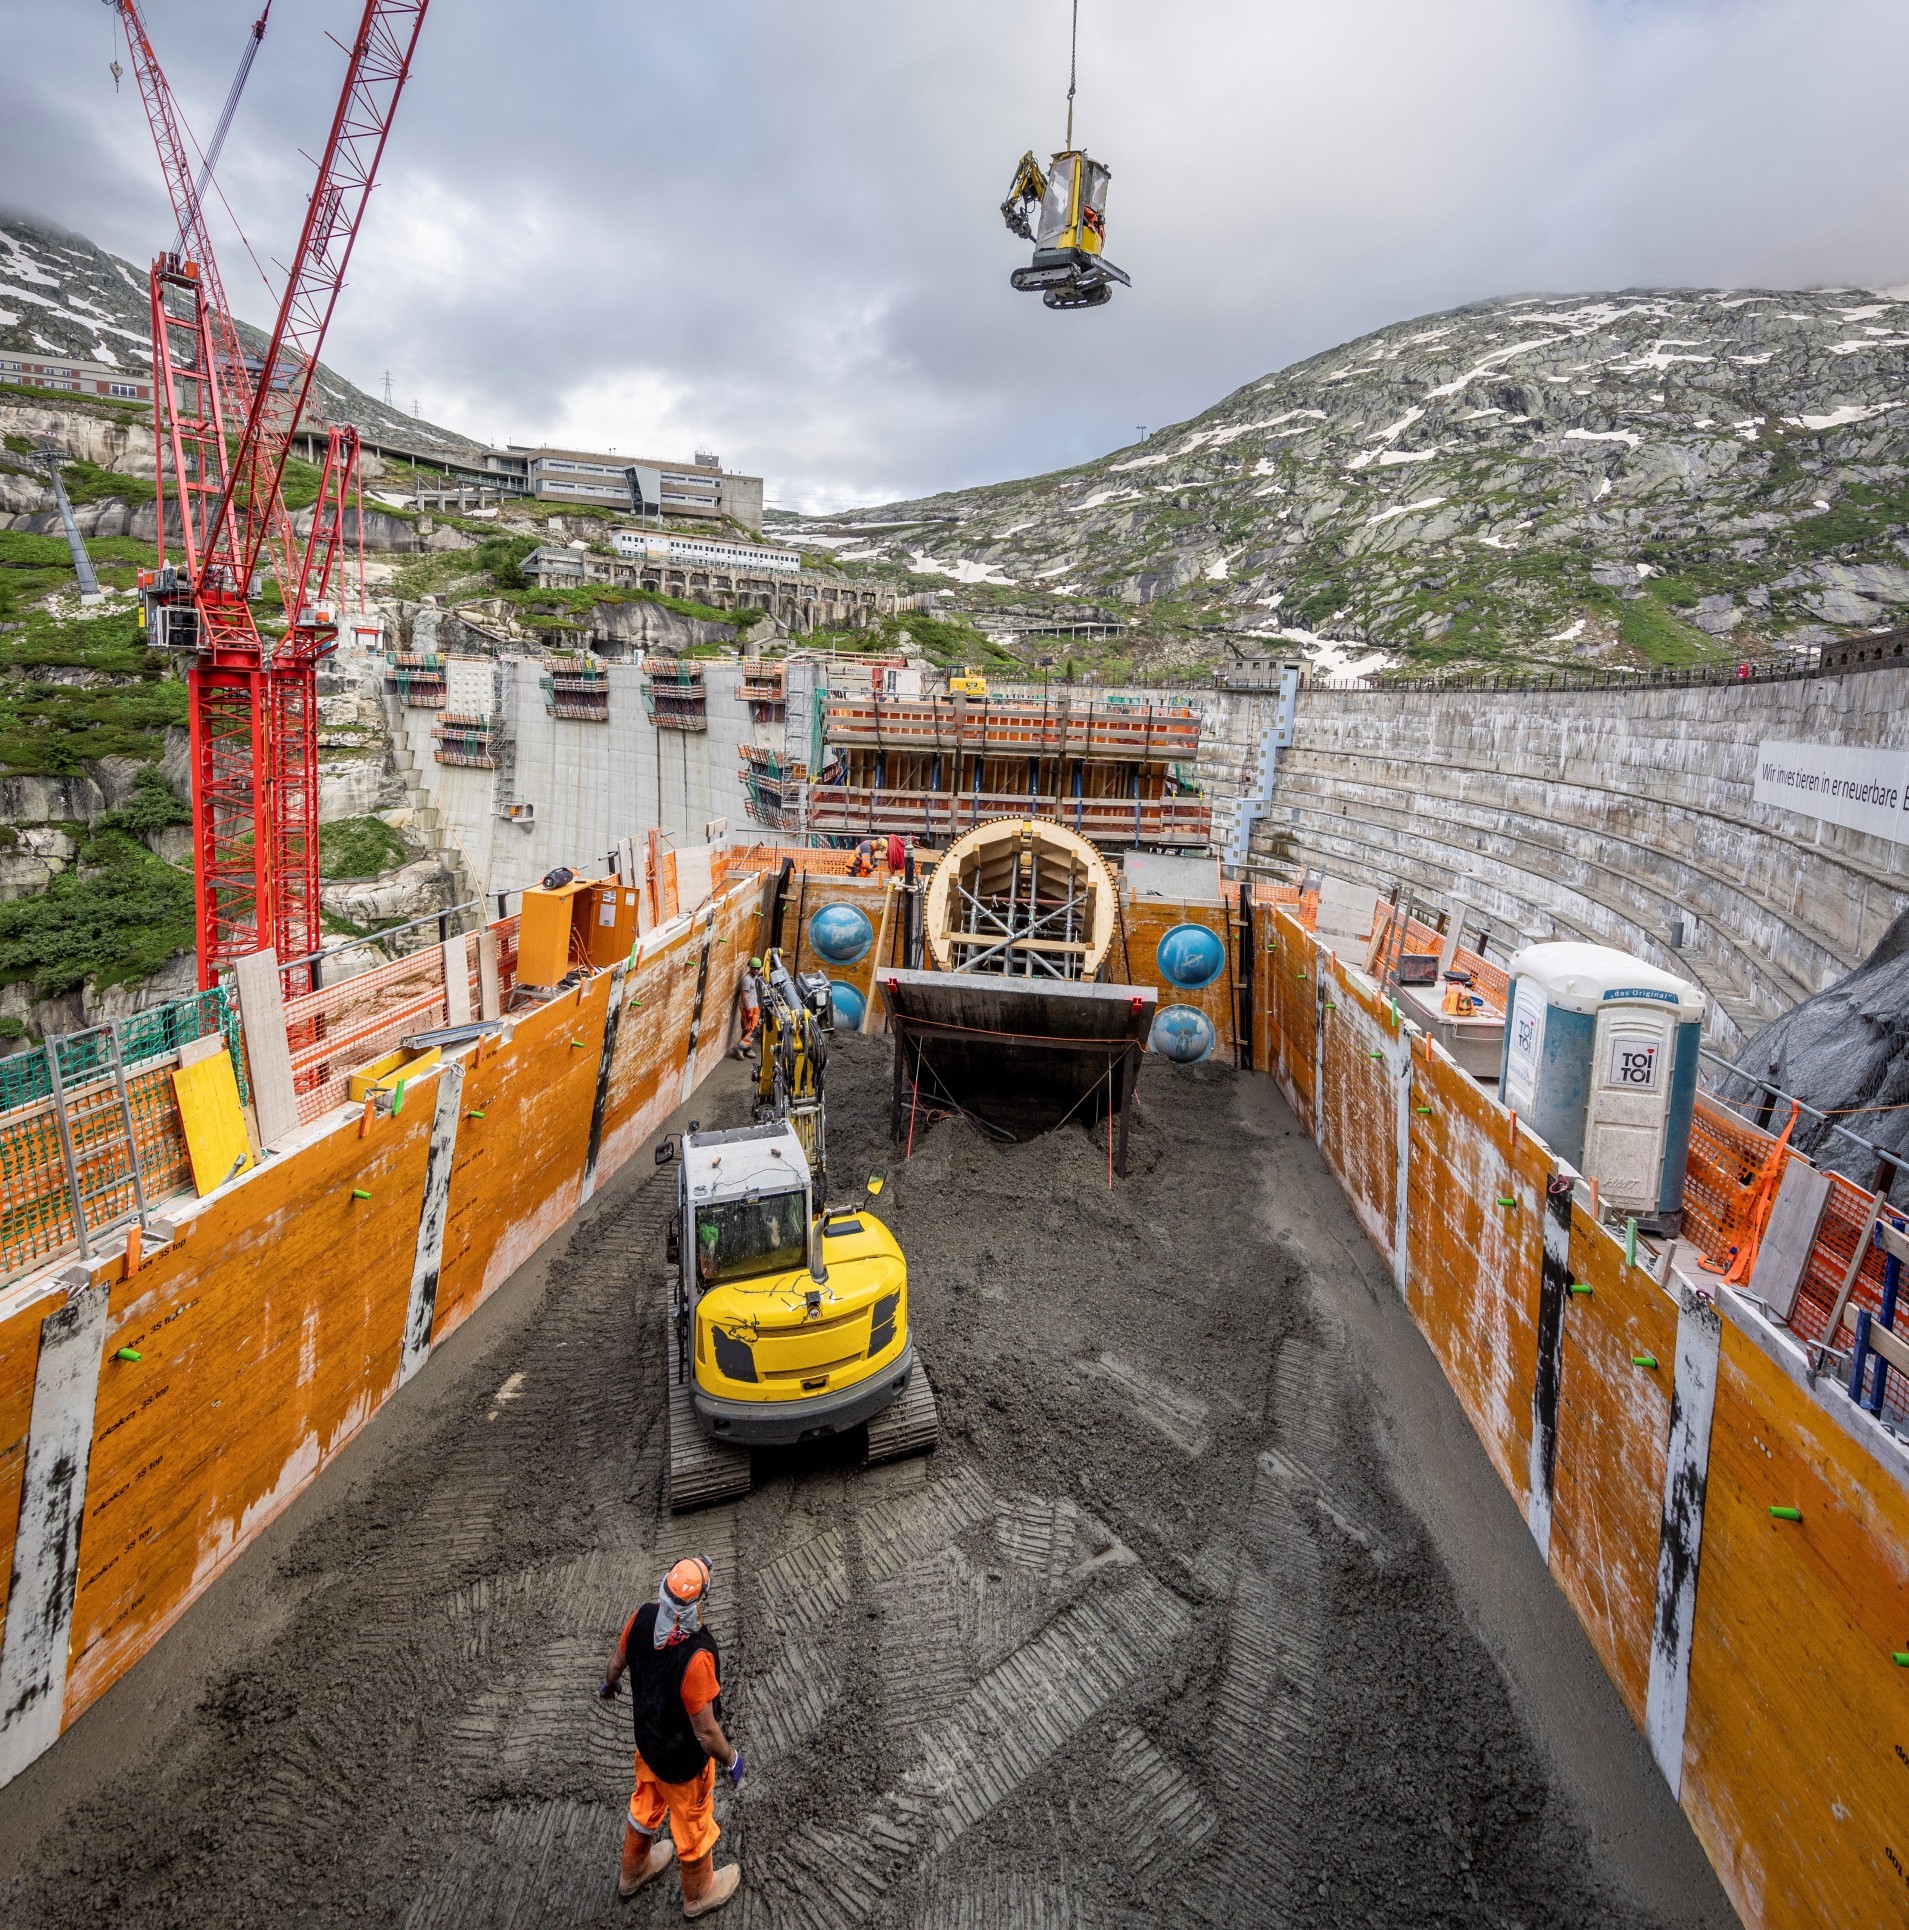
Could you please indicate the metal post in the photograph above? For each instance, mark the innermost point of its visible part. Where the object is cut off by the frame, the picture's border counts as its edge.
(318, 973)
(126, 1117)
(444, 923)
(52, 1050)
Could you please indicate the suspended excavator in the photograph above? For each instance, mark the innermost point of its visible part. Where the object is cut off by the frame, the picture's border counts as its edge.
(788, 1317)
(1063, 211)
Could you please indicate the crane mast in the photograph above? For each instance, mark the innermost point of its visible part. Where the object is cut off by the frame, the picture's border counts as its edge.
(223, 431)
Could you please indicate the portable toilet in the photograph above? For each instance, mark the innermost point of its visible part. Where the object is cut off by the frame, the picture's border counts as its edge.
(1601, 1060)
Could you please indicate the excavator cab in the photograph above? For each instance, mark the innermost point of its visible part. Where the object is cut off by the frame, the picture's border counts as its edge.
(1064, 213)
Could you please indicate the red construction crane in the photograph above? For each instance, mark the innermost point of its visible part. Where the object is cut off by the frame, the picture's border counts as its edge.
(223, 428)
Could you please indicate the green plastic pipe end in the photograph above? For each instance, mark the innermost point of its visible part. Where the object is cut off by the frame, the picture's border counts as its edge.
(1786, 1514)
(1643, 1360)
(1901, 1658)
(577, 1044)
(359, 1193)
(1508, 1202)
(1582, 1286)
(473, 1115)
(1422, 1109)
(129, 1353)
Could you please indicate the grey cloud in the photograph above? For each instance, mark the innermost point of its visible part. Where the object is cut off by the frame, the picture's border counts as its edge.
(770, 230)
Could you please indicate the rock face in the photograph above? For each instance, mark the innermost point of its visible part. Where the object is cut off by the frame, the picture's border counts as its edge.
(61, 295)
(1651, 475)
(1845, 1050)
(409, 892)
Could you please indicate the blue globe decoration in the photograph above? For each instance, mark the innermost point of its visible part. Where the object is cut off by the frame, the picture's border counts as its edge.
(848, 1002)
(840, 933)
(1182, 1033)
(1190, 956)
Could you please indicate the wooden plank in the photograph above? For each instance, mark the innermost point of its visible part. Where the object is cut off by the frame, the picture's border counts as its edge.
(1793, 1772)
(39, 1624)
(1784, 1253)
(213, 1121)
(457, 979)
(1613, 1420)
(268, 1058)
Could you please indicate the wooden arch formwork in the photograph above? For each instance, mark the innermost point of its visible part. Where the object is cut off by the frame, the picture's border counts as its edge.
(1014, 1028)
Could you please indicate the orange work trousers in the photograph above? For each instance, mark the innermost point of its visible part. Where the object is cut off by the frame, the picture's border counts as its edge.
(690, 1808)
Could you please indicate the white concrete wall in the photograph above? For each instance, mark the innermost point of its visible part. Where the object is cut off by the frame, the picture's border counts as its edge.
(1607, 814)
(593, 783)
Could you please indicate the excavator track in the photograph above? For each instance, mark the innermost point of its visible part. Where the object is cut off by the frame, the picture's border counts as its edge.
(698, 1471)
(907, 1426)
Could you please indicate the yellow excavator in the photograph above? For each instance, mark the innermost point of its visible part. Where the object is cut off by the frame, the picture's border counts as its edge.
(1063, 211)
(788, 1317)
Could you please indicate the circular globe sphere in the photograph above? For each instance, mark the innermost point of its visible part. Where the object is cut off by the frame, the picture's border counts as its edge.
(840, 933)
(848, 1003)
(1182, 1033)
(1190, 956)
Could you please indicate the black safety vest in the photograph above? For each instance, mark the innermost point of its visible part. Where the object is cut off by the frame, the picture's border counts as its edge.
(663, 1735)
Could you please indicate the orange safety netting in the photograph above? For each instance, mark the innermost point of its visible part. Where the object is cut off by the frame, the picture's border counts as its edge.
(342, 1028)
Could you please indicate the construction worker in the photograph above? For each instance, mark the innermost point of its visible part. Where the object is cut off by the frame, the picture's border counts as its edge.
(675, 1700)
(897, 853)
(862, 865)
(749, 992)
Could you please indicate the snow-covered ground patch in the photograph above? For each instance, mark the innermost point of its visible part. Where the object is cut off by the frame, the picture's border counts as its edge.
(1629, 437)
(1217, 570)
(1100, 496)
(1404, 509)
(1570, 635)
(963, 569)
(1840, 418)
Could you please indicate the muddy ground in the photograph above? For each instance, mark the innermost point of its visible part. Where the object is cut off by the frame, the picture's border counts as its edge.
(1208, 1609)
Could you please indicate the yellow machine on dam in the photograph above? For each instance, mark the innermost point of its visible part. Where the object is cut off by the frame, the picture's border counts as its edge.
(788, 1317)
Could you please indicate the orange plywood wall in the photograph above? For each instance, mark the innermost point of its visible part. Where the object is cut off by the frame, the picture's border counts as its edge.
(220, 1378)
(1133, 960)
(1796, 1747)
(1646, 1430)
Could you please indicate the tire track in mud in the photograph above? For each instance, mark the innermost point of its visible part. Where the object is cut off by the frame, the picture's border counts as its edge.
(1069, 1673)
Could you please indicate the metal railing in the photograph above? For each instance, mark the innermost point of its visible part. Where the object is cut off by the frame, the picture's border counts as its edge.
(90, 1135)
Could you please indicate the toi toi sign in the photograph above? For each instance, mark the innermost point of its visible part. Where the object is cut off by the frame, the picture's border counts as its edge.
(1866, 790)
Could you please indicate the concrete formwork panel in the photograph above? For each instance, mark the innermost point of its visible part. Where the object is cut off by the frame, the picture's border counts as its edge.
(1475, 1225)
(1613, 1421)
(1794, 1769)
(267, 1337)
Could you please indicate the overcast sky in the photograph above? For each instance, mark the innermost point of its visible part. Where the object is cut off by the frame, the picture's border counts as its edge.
(769, 228)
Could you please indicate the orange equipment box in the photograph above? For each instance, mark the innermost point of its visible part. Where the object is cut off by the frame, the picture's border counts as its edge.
(610, 909)
(543, 931)
(588, 921)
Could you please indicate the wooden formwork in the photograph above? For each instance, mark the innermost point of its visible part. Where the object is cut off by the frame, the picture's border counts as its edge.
(292, 1303)
(1612, 1432)
(1646, 1430)
(1794, 1773)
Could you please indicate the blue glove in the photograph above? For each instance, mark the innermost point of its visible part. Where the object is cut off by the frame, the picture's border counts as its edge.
(734, 1771)
(609, 1691)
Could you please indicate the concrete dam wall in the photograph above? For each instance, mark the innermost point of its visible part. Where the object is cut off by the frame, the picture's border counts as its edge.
(1609, 815)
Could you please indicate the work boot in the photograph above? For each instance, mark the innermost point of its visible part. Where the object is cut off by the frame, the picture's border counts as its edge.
(706, 1888)
(643, 1858)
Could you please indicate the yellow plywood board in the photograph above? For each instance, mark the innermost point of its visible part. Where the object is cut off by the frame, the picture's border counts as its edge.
(390, 1072)
(214, 1121)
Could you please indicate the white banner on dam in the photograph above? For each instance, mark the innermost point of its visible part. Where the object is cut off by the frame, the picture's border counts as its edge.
(1867, 790)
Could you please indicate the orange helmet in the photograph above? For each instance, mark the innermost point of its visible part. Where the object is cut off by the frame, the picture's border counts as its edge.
(688, 1581)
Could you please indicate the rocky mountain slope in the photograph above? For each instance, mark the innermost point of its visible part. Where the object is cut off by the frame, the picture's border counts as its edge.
(60, 295)
(1647, 478)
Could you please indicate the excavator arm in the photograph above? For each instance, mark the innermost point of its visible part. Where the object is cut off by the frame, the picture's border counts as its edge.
(1027, 191)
